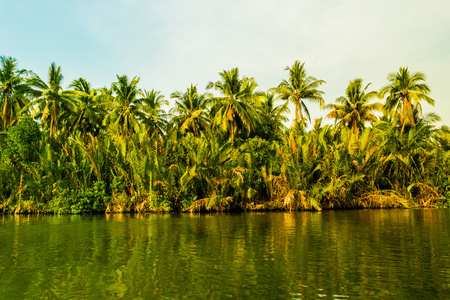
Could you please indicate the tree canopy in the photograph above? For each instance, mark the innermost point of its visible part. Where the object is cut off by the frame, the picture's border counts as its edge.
(121, 148)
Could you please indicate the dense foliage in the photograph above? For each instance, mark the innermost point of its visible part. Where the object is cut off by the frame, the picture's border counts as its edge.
(116, 149)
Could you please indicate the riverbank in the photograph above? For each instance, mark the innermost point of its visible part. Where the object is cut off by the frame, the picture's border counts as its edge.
(425, 197)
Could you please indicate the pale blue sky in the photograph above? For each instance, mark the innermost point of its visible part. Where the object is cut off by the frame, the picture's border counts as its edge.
(171, 44)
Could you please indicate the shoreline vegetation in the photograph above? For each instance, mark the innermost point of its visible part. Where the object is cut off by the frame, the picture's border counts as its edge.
(121, 149)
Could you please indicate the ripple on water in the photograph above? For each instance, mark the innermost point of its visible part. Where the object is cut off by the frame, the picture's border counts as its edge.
(338, 255)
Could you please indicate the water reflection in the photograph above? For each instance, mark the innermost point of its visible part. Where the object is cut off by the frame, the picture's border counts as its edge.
(334, 255)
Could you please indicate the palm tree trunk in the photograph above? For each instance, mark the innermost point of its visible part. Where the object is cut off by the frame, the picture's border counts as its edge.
(231, 130)
(407, 113)
(411, 113)
(5, 111)
(355, 128)
(230, 117)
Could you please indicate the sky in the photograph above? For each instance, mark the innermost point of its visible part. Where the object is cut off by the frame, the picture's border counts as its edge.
(172, 44)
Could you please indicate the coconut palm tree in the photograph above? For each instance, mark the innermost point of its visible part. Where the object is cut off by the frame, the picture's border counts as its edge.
(50, 99)
(405, 90)
(153, 116)
(89, 115)
(271, 115)
(354, 109)
(125, 104)
(191, 110)
(233, 112)
(300, 87)
(411, 155)
(11, 83)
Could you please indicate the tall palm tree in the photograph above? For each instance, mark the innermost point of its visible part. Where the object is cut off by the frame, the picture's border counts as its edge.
(234, 111)
(89, 115)
(125, 105)
(354, 108)
(405, 90)
(300, 87)
(191, 110)
(50, 99)
(153, 116)
(11, 83)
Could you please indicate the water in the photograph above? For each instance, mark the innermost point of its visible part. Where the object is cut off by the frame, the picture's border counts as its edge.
(363, 254)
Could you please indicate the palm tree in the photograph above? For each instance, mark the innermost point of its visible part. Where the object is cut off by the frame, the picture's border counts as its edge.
(272, 117)
(300, 87)
(235, 108)
(125, 105)
(153, 116)
(11, 83)
(404, 91)
(50, 99)
(410, 157)
(191, 110)
(354, 108)
(89, 115)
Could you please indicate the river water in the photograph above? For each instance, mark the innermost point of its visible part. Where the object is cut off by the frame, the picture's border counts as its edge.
(357, 254)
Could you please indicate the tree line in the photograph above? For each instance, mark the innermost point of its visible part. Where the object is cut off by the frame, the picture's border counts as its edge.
(116, 149)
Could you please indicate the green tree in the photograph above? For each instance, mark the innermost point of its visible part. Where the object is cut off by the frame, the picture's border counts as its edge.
(152, 115)
(89, 116)
(50, 99)
(234, 110)
(125, 104)
(411, 155)
(354, 109)
(11, 83)
(191, 110)
(405, 90)
(272, 117)
(22, 140)
(300, 87)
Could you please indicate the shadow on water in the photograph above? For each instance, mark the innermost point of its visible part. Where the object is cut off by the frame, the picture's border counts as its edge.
(331, 254)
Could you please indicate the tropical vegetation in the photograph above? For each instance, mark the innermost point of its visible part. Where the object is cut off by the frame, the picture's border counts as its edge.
(119, 149)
